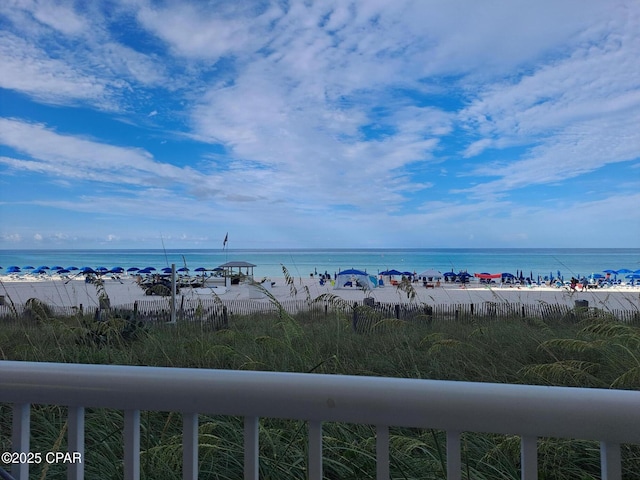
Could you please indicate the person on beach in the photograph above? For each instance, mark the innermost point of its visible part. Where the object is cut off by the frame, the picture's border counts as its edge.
(585, 284)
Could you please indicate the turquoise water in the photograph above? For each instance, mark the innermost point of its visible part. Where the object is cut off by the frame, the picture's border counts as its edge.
(543, 262)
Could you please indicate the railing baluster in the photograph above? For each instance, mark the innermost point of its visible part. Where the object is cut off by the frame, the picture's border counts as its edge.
(190, 446)
(529, 458)
(132, 444)
(454, 462)
(75, 441)
(382, 452)
(20, 438)
(610, 461)
(251, 452)
(315, 451)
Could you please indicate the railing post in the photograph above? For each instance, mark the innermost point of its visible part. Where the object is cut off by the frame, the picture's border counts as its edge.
(315, 451)
(454, 463)
(132, 444)
(190, 446)
(610, 461)
(20, 438)
(251, 451)
(382, 452)
(529, 458)
(75, 442)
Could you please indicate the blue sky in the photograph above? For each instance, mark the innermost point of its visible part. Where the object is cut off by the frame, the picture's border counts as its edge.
(290, 124)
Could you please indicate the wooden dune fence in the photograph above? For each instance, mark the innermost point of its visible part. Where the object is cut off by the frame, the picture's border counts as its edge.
(218, 313)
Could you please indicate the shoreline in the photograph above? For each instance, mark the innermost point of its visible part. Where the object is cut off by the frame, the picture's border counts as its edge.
(125, 291)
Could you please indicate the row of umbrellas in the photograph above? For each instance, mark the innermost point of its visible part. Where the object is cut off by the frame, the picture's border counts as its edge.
(632, 274)
(99, 270)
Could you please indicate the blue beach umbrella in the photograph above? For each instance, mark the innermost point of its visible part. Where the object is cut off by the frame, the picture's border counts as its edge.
(611, 272)
(183, 269)
(42, 267)
(28, 267)
(145, 270)
(72, 268)
(166, 270)
(352, 272)
(200, 269)
(151, 269)
(57, 267)
(87, 270)
(637, 272)
(624, 270)
(391, 272)
(13, 269)
(62, 271)
(132, 269)
(116, 270)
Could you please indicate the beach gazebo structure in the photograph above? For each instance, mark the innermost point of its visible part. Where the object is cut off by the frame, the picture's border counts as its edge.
(229, 269)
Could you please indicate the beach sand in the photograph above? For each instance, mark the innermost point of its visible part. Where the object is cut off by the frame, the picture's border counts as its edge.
(76, 292)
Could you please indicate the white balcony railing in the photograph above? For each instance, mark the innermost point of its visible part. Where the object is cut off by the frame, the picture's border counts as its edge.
(611, 417)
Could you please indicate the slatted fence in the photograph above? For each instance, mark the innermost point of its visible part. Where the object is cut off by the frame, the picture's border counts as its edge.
(219, 312)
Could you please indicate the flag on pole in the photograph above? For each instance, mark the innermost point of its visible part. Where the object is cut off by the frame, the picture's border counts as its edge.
(226, 239)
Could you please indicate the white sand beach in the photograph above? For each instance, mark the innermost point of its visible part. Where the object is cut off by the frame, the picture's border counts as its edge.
(124, 291)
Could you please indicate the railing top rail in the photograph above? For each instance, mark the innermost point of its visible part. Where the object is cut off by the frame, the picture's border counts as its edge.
(596, 414)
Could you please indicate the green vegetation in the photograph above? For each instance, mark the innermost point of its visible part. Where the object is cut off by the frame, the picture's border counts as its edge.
(592, 349)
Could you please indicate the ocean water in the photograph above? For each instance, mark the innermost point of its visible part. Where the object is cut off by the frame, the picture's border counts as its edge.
(538, 262)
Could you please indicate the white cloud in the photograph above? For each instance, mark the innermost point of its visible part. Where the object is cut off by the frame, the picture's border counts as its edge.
(207, 33)
(29, 69)
(576, 115)
(78, 158)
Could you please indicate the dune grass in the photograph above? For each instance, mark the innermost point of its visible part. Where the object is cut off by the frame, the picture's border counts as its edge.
(597, 351)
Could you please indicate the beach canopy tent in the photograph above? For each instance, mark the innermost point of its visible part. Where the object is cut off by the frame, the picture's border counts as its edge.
(430, 275)
(353, 278)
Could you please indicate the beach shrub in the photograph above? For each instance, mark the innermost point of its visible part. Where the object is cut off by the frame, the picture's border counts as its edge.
(36, 310)
(112, 329)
